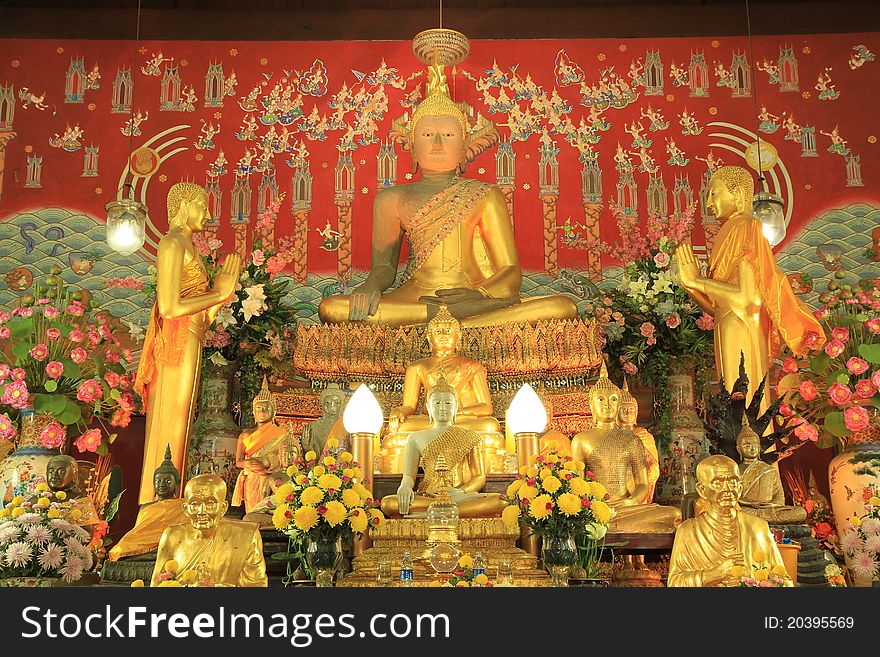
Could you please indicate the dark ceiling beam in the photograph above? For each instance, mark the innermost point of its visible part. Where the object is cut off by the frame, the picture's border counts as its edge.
(654, 20)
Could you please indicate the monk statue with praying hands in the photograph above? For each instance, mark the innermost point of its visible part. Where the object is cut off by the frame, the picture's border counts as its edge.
(462, 252)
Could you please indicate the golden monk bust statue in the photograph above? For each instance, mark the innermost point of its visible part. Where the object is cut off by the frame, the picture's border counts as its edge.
(619, 461)
(462, 464)
(185, 308)
(462, 251)
(154, 517)
(762, 492)
(708, 547)
(749, 297)
(220, 551)
(261, 452)
(627, 416)
(329, 425)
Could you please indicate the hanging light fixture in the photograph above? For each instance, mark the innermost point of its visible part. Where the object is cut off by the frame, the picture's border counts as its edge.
(126, 217)
(768, 208)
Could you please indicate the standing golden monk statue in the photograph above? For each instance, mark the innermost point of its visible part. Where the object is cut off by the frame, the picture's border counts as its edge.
(745, 291)
(462, 251)
(219, 551)
(710, 549)
(186, 305)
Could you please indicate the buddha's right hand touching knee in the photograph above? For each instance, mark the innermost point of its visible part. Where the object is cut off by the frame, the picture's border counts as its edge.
(363, 301)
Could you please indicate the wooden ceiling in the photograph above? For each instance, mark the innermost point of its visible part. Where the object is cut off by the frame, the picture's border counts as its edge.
(400, 19)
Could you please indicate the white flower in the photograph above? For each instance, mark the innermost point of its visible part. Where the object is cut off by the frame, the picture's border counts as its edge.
(255, 303)
(18, 554)
(870, 526)
(638, 287)
(851, 541)
(39, 534)
(9, 533)
(51, 556)
(29, 518)
(72, 569)
(864, 564)
(226, 317)
(872, 544)
(82, 534)
(61, 526)
(663, 283)
(136, 331)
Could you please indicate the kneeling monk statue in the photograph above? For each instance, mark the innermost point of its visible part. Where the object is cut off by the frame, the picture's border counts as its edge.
(222, 552)
(709, 547)
(462, 251)
(462, 454)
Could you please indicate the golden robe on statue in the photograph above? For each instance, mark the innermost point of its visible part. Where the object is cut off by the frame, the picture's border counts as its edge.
(252, 487)
(164, 380)
(455, 445)
(702, 543)
(152, 520)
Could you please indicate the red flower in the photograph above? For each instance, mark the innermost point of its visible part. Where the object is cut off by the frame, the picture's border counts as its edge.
(856, 418)
(76, 309)
(807, 431)
(873, 325)
(5, 371)
(322, 509)
(40, 352)
(79, 355)
(834, 348)
(875, 378)
(76, 336)
(52, 436)
(822, 313)
(120, 418)
(785, 410)
(18, 374)
(630, 368)
(865, 389)
(808, 391)
(857, 365)
(126, 402)
(673, 321)
(789, 366)
(5, 333)
(585, 502)
(705, 322)
(647, 329)
(54, 369)
(53, 333)
(839, 394)
(823, 530)
(112, 379)
(112, 356)
(840, 333)
(811, 339)
(89, 441)
(15, 394)
(89, 391)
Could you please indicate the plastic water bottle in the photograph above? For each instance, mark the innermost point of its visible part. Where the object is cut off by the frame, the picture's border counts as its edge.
(479, 567)
(406, 570)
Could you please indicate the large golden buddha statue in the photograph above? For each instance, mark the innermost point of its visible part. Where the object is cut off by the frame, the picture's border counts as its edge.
(462, 463)
(220, 551)
(710, 548)
(462, 251)
(619, 461)
(750, 298)
(185, 308)
(262, 453)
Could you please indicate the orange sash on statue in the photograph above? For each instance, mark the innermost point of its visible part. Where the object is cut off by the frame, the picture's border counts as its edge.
(743, 235)
(262, 436)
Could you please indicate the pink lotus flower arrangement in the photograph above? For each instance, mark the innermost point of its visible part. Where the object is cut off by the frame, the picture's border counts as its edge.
(67, 362)
(833, 392)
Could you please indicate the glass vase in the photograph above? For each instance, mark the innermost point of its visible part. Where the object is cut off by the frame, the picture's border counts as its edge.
(323, 555)
(559, 553)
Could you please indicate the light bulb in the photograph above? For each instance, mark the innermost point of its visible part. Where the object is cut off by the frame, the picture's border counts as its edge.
(362, 414)
(526, 414)
(126, 226)
(769, 210)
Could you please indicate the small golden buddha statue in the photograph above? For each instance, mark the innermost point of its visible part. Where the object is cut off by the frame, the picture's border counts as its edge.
(619, 462)
(744, 290)
(62, 474)
(627, 416)
(259, 452)
(762, 492)
(466, 375)
(154, 517)
(462, 464)
(708, 547)
(462, 251)
(185, 308)
(329, 425)
(220, 551)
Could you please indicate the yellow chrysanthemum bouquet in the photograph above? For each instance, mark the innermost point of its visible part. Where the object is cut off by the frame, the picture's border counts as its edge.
(323, 506)
(558, 500)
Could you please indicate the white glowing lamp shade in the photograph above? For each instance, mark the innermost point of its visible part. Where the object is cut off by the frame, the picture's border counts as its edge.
(362, 414)
(769, 210)
(526, 414)
(126, 226)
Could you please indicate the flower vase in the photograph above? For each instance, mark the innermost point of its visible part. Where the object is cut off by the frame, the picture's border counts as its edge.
(25, 467)
(323, 555)
(559, 553)
(687, 441)
(849, 474)
(215, 434)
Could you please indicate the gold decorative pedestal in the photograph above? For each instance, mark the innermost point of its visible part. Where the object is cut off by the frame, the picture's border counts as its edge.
(490, 536)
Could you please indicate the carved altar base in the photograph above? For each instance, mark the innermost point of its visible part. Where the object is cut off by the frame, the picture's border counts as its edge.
(490, 536)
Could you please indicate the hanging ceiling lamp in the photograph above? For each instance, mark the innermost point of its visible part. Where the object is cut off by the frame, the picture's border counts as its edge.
(126, 217)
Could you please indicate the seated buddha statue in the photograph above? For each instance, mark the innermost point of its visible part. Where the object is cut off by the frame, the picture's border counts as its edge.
(709, 549)
(466, 375)
(220, 551)
(762, 493)
(619, 461)
(462, 465)
(626, 419)
(462, 251)
(154, 517)
(259, 452)
(316, 434)
(62, 474)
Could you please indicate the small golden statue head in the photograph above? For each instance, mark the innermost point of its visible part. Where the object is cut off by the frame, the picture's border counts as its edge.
(748, 443)
(188, 206)
(629, 406)
(441, 402)
(61, 473)
(718, 481)
(166, 478)
(730, 191)
(332, 401)
(604, 397)
(205, 497)
(264, 404)
(444, 332)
